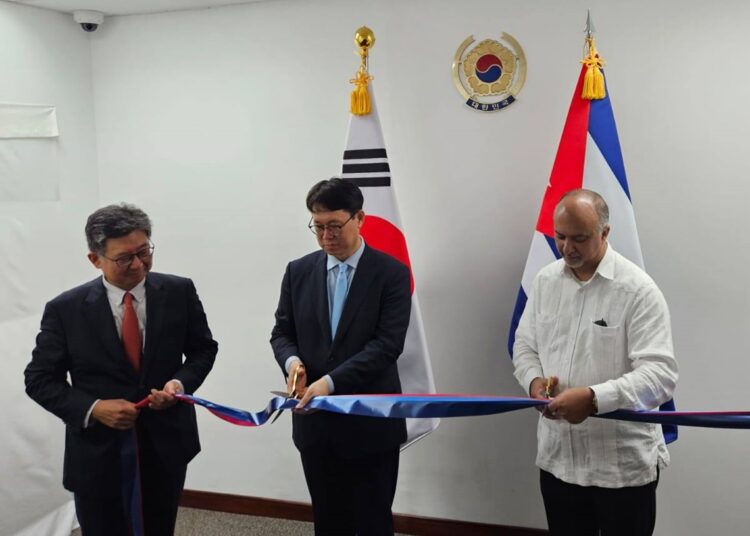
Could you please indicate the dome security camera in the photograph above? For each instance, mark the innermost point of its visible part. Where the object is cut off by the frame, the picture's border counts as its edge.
(89, 20)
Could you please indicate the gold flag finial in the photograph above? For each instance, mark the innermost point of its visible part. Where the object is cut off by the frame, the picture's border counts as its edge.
(364, 38)
(593, 80)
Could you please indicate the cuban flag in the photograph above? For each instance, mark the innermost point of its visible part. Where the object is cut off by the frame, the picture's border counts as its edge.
(366, 164)
(589, 156)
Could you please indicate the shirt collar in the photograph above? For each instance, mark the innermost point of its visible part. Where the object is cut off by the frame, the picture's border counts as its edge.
(116, 294)
(353, 259)
(606, 267)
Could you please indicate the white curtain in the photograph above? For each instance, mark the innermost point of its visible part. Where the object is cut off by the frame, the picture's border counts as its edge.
(32, 499)
(29, 169)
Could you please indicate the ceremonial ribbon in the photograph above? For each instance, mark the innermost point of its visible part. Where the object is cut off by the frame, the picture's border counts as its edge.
(407, 406)
(445, 405)
(132, 495)
(131, 482)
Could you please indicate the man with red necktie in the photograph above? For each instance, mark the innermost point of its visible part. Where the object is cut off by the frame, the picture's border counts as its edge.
(125, 336)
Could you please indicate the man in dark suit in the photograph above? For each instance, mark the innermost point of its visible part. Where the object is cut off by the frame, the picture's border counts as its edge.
(340, 327)
(120, 338)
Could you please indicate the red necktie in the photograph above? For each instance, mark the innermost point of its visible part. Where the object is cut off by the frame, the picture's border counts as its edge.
(131, 333)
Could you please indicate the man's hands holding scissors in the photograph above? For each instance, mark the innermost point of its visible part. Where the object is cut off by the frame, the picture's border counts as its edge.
(543, 389)
(296, 382)
(297, 385)
(317, 388)
(574, 404)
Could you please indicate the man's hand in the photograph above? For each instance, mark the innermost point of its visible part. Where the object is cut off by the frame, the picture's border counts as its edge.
(118, 413)
(574, 405)
(317, 388)
(299, 387)
(165, 398)
(542, 389)
(538, 387)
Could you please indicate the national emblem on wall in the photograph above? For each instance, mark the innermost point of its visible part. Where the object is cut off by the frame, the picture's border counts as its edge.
(491, 74)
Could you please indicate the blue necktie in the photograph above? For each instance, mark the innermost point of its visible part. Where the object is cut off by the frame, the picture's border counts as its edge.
(339, 297)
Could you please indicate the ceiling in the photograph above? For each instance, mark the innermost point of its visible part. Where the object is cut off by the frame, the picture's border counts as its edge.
(128, 7)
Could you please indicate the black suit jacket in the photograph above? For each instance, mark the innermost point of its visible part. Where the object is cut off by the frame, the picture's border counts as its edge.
(78, 337)
(362, 357)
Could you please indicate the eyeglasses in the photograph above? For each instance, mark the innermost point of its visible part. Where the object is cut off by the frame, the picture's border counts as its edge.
(125, 261)
(333, 228)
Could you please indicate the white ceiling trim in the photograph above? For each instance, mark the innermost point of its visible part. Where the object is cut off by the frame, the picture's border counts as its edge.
(129, 7)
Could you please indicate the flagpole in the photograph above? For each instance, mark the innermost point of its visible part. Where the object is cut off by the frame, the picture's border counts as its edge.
(365, 163)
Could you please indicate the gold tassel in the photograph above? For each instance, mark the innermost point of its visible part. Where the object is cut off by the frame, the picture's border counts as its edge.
(593, 80)
(360, 101)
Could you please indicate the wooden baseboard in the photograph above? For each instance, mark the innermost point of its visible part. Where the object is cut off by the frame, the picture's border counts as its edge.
(251, 506)
(407, 524)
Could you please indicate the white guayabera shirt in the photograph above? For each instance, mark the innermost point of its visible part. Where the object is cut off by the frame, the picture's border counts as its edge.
(611, 333)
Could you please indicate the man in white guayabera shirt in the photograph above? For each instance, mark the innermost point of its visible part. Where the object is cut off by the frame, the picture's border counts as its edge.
(595, 336)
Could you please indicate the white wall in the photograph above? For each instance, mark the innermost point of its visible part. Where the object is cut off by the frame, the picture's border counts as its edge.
(45, 59)
(218, 121)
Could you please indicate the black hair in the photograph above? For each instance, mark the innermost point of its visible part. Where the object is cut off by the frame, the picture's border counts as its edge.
(335, 194)
(114, 221)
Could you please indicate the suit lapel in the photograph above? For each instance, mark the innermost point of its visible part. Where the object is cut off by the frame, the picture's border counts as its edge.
(357, 293)
(156, 297)
(98, 314)
(320, 288)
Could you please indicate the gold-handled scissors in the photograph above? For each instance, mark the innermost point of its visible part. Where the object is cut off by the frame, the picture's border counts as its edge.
(548, 388)
(291, 395)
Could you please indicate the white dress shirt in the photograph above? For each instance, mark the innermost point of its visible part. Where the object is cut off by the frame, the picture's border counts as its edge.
(611, 333)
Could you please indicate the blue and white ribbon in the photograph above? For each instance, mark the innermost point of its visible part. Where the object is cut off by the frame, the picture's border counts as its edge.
(447, 405)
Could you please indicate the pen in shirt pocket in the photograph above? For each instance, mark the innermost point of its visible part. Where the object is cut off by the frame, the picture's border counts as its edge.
(601, 323)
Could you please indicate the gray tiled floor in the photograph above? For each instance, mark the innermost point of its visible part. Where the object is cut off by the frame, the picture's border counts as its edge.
(193, 522)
